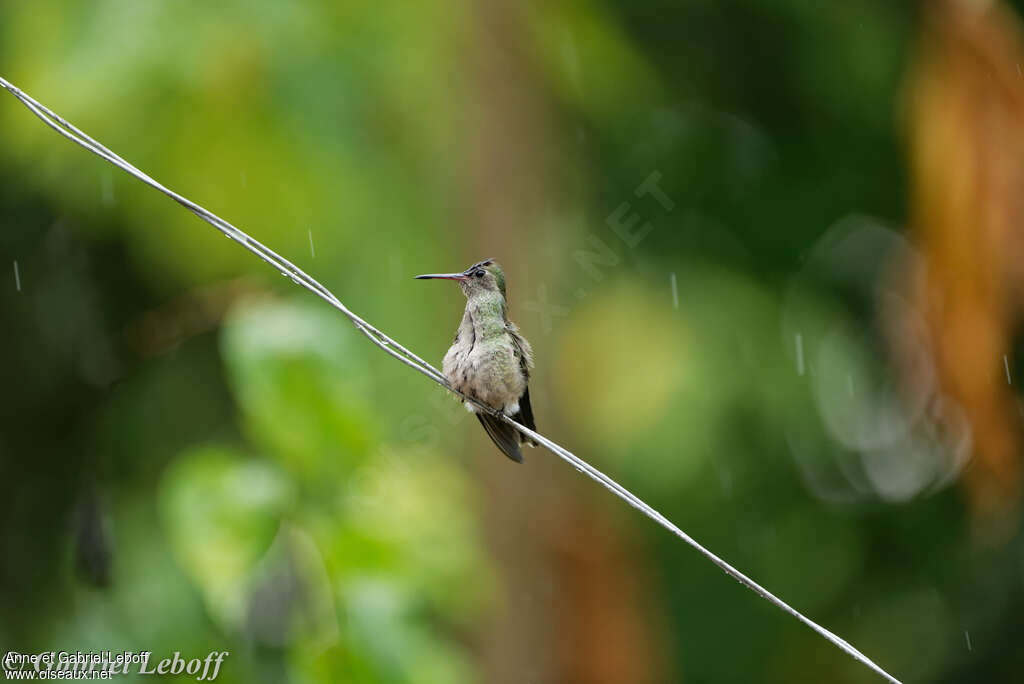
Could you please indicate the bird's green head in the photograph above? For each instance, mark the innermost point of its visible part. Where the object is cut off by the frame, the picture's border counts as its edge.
(482, 277)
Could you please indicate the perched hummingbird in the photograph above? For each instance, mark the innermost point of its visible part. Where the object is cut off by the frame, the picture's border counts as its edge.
(489, 360)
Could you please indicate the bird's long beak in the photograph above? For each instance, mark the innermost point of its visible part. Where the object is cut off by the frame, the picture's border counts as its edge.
(443, 276)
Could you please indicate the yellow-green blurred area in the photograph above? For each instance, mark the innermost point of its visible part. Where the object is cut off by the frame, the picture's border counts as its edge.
(767, 254)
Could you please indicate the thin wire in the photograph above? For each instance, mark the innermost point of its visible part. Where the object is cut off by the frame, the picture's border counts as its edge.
(407, 357)
(286, 267)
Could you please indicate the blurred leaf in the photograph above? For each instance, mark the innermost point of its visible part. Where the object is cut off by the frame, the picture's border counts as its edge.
(298, 376)
(221, 512)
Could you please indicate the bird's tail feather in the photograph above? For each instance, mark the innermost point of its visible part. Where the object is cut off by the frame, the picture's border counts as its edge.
(503, 435)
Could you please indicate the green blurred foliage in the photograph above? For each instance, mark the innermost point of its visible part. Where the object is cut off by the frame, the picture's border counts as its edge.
(326, 546)
(270, 484)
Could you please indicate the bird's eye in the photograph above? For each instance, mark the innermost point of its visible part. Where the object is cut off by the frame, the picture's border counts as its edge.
(479, 274)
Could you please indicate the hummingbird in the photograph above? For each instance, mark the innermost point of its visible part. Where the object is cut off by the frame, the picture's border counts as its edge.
(489, 360)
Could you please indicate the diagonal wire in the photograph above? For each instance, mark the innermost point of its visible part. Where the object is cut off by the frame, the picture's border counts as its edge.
(300, 277)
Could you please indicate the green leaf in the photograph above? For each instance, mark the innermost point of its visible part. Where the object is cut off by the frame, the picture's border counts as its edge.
(299, 377)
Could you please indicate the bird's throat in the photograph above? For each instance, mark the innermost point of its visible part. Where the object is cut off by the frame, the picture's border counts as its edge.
(487, 312)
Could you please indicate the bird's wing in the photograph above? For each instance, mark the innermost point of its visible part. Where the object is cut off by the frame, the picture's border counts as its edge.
(525, 415)
(525, 354)
(503, 435)
(523, 349)
(525, 418)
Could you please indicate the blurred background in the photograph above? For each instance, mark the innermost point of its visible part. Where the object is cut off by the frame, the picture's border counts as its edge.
(768, 255)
